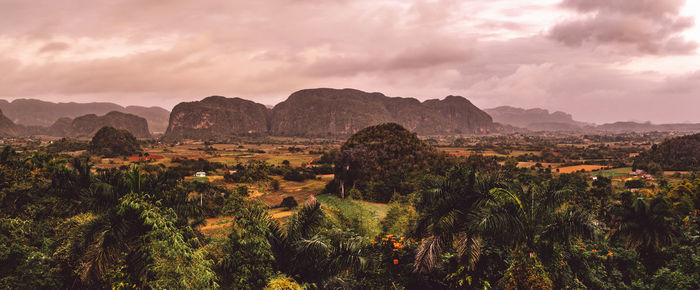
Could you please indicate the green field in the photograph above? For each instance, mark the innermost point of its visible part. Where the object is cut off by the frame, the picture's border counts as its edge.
(378, 210)
(613, 173)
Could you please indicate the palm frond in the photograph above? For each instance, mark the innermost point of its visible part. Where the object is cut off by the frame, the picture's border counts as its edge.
(429, 254)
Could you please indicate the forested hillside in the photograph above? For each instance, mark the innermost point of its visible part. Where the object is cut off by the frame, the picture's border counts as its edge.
(680, 153)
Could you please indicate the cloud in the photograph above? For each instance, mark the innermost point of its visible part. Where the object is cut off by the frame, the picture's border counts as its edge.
(500, 52)
(651, 8)
(647, 26)
(53, 46)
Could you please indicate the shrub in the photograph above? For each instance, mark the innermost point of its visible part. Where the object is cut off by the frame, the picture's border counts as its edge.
(289, 202)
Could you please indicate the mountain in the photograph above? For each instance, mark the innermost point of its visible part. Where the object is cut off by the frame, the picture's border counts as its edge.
(324, 112)
(319, 112)
(621, 127)
(460, 111)
(88, 125)
(332, 112)
(534, 119)
(31, 112)
(215, 117)
(156, 117)
(7, 127)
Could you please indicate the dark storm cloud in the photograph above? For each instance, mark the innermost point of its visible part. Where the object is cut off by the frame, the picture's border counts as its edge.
(649, 26)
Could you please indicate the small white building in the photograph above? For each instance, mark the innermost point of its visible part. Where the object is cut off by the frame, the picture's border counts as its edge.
(200, 174)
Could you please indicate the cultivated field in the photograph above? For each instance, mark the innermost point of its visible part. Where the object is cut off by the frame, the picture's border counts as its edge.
(576, 168)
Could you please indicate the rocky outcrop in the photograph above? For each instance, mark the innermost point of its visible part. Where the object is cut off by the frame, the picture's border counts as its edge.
(333, 112)
(216, 117)
(88, 125)
(7, 127)
(328, 112)
(465, 117)
(324, 113)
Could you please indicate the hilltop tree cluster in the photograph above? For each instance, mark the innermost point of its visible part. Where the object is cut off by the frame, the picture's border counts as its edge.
(384, 160)
(111, 142)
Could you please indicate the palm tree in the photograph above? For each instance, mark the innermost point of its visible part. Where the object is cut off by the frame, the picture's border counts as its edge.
(644, 225)
(303, 252)
(446, 210)
(533, 219)
(466, 207)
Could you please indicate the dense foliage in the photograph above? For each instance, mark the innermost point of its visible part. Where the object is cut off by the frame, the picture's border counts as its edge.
(384, 160)
(680, 153)
(111, 142)
(64, 226)
(66, 145)
(450, 223)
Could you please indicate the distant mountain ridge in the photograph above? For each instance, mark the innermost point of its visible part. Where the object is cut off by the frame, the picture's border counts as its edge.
(621, 127)
(319, 112)
(535, 119)
(324, 112)
(542, 120)
(32, 112)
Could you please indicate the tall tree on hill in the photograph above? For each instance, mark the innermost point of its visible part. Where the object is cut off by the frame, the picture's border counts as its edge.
(384, 160)
(111, 142)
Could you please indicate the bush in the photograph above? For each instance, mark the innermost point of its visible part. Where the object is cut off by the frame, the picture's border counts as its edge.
(322, 169)
(635, 183)
(355, 193)
(289, 202)
(298, 174)
(275, 184)
(242, 190)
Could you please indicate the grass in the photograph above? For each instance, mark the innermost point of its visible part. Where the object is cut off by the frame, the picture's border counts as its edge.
(614, 173)
(377, 210)
(217, 226)
(359, 216)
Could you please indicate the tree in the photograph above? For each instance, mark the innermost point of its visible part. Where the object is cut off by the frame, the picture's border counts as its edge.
(470, 209)
(132, 238)
(644, 225)
(111, 142)
(302, 251)
(248, 259)
(445, 206)
(382, 160)
(680, 153)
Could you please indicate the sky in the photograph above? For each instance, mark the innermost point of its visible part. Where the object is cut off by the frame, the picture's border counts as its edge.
(600, 60)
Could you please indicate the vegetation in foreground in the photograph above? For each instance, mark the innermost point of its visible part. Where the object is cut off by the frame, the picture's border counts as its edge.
(461, 222)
